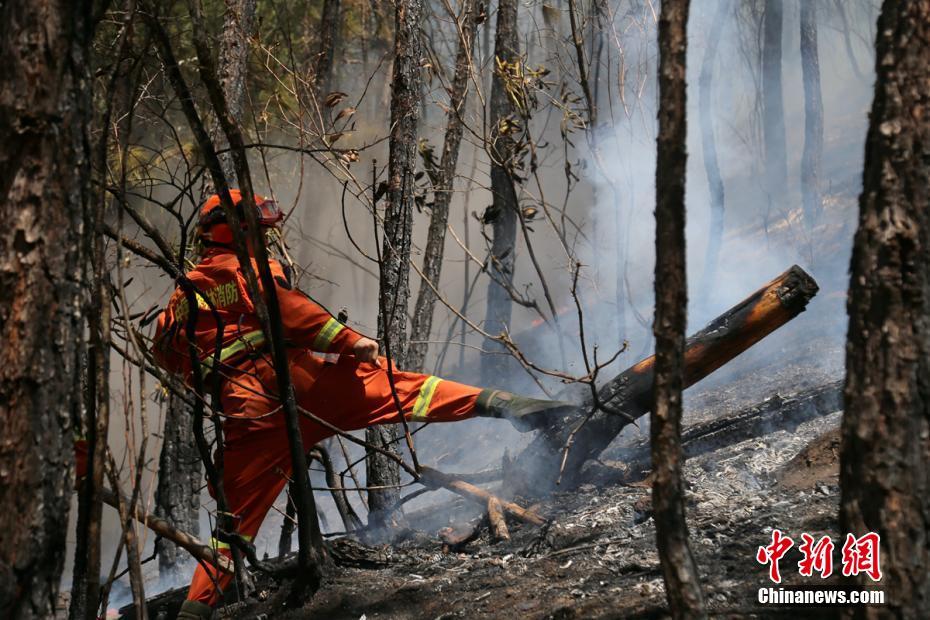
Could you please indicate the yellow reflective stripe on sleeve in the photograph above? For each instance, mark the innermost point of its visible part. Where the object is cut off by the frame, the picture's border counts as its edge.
(219, 545)
(420, 411)
(245, 341)
(327, 335)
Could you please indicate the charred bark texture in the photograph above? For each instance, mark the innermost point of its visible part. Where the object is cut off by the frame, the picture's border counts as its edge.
(398, 227)
(630, 393)
(44, 109)
(177, 497)
(885, 462)
(682, 580)
(238, 25)
(773, 108)
(813, 116)
(503, 152)
(709, 147)
(329, 31)
(442, 191)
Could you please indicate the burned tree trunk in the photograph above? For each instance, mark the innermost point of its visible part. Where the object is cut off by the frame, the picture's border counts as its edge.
(886, 427)
(773, 108)
(502, 149)
(442, 191)
(629, 395)
(682, 581)
(44, 107)
(329, 29)
(238, 25)
(177, 497)
(813, 116)
(398, 226)
(709, 148)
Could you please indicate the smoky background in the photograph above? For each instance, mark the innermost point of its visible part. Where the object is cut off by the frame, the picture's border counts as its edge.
(608, 207)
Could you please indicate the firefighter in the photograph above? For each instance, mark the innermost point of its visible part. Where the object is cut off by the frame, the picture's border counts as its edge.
(350, 389)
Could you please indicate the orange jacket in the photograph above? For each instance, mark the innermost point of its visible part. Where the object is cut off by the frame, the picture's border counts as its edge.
(218, 279)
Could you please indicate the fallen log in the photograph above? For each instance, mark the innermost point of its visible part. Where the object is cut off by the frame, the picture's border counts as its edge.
(537, 469)
(769, 416)
(432, 477)
(496, 520)
(193, 545)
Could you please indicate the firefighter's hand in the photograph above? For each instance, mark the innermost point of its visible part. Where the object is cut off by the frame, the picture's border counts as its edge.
(366, 350)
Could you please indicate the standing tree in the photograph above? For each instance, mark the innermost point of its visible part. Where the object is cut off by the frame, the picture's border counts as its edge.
(398, 227)
(682, 583)
(44, 107)
(504, 154)
(813, 116)
(773, 108)
(443, 178)
(886, 426)
(709, 147)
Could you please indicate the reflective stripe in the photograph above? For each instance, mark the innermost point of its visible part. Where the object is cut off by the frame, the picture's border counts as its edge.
(420, 411)
(219, 545)
(245, 341)
(327, 335)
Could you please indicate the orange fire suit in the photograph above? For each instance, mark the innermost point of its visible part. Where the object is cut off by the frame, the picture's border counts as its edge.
(346, 393)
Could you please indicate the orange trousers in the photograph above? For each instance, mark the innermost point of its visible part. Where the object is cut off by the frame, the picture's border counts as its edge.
(347, 394)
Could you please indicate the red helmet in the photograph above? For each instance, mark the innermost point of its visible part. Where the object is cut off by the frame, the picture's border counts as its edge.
(212, 225)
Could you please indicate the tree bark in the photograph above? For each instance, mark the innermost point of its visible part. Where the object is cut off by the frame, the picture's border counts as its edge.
(44, 107)
(885, 462)
(177, 497)
(682, 582)
(813, 116)
(773, 109)
(233, 65)
(709, 148)
(442, 191)
(503, 152)
(329, 31)
(394, 290)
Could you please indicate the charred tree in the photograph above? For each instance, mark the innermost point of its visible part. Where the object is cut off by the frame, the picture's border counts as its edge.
(232, 66)
(177, 496)
(813, 116)
(329, 31)
(394, 291)
(885, 486)
(44, 108)
(709, 147)
(682, 582)
(443, 180)
(773, 108)
(504, 154)
(629, 395)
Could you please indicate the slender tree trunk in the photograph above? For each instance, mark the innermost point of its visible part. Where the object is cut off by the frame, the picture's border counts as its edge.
(398, 227)
(885, 462)
(177, 497)
(682, 582)
(44, 107)
(502, 150)
(709, 148)
(233, 64)
(773, 109)
(442, 191)
(813, 116)
(329, 31)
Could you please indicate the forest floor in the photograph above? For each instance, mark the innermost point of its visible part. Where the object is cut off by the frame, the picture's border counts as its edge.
(596, 557)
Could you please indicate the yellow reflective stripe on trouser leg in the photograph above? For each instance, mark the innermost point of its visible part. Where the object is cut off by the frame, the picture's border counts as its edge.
(420, 411)
(219, 545)
(326, 335)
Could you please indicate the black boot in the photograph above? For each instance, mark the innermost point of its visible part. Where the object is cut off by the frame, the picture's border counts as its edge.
(526, 414)
(195, 610)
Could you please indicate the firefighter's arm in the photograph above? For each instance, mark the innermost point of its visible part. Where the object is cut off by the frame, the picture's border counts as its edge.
(308, 324)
